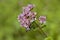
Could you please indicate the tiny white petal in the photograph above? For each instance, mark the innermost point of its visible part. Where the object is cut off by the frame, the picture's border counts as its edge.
(31, 20)
(18, 20)
(35, 13)
(43, 17)
(35, 19)
(33, 5)
(23, 8)
(44, 22)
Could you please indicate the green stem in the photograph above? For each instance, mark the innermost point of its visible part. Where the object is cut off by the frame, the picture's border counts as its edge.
(41, 30)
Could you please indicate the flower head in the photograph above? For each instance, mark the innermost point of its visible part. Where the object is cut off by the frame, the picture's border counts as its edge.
(27, 17)
(42, 19)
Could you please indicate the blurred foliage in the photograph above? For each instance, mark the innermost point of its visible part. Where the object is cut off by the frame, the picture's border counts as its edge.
(10, 28)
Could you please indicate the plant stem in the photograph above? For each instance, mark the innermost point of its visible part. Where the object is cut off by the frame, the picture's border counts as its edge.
(41, 30)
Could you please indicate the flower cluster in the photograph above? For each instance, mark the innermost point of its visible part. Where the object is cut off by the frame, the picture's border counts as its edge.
(42, 19)
(27, 16)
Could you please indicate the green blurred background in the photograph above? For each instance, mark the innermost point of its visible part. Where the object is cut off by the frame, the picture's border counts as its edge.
(10, 28)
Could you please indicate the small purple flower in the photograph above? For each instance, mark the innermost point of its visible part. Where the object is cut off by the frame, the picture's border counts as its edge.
(26, 9)
(42, 19)
(27, 17)
(31, 6)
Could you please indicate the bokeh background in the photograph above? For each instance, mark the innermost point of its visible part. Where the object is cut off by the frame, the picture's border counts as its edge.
(10, 28)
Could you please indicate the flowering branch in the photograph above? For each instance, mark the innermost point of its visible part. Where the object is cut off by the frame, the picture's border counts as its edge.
(27, 17)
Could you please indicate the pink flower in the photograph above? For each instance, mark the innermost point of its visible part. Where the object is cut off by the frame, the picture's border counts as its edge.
(42, 19)
(26, 9)
(31, 6)
(27, 17)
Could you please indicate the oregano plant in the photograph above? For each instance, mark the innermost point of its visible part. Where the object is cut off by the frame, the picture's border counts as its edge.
(27, 17)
